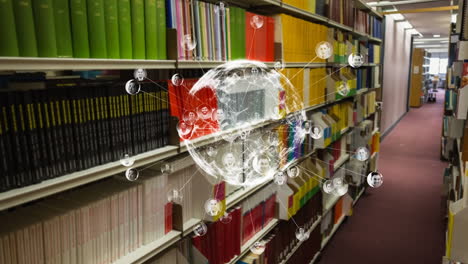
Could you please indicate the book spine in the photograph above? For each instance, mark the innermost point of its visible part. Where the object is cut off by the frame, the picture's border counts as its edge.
(24, 19)
(112, 29)
(138, 29)
(45, 28)
(32, 139)
(9, 44)
(14, 137)
(161, 25)
(63, 29)
(151, 30)
(79, 26)
(125, 29)
(97, 29)
(5, 161)
(68, 130)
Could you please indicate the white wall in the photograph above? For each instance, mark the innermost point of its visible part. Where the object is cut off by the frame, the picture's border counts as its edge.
(395, 73)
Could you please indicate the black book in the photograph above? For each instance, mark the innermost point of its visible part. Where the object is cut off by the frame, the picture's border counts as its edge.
(5, 157)
(68, 128)
(105, 124)
(56, 127)
(134, 123)
(159, 116)
(19, 168)
(165, 113)
(32, 138)
(41, 135)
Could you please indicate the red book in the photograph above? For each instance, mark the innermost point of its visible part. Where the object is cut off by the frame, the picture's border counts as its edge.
(270, 40)
(255, 38)
(168, 217)
(237, 231)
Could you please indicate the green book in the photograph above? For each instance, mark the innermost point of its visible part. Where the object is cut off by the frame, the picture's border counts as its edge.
(112, 29)
(79, 20)
(161, 18)
(151, 30)
(241, 33)
(45, 28)
(125, 29)
(9, 43)
(236, 40)
(97, 29)
(63, 29)
(24, 20)
(138, 29)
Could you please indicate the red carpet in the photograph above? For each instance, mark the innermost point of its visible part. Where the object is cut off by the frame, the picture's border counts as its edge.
(401, 222)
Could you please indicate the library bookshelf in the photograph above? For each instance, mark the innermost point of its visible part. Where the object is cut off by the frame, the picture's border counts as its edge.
(146, 252)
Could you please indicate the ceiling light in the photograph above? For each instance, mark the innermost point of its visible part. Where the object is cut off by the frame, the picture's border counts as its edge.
(436, 36)
(454, 18)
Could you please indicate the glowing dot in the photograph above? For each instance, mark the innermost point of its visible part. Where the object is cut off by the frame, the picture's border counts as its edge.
(131, 174)
(175, 196)
(200, 230)
(293, 172)
(280, 178)
(166, 168)
(213, 207)
(184, 129)
(127, 160)
(343, 89)
(328, 187)
(256, 22)
(258, 247)
(226, 218)
(188, 42)
(140, 74)
(316, 132)
(324, 50)
(132, 87)
(307, 127)
(362, 154)
(355, 60)
(375, 179)
(279, 65)
(177, 79)
(302, 234)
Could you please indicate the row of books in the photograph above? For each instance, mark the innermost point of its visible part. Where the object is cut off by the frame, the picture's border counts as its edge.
(342, 11)
(282, 240)
(368, 24)
(127, 29)
(72, 125)
(96, 224)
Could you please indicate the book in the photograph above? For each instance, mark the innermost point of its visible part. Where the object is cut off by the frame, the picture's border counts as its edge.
(112, 20)
(25, 28)
(125, 29)
(161, 32)
(62, 24)
(138, 29)
(151, 30)
(9, 45)
(97, 29)
(79, 28)
(45, 28)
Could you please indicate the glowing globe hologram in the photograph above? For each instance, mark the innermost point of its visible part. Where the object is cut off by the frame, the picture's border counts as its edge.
(177, 79)
(328, 187)
(213, 207)
(175, 196)
(355, 60)
(324, 50)
(258, 247)
(316, 132)
(362, 154)
(127, 160)
(226, 103)
(132, 87)
(226, 218)
(374, 179)
(293, 172)
(200, 230)
(131, 174)
(188, 42)
(302, 234)
(343, 89)
(256, 22)
(140, 74)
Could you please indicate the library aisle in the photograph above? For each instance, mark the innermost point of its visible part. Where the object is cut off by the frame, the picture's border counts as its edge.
(401, 222)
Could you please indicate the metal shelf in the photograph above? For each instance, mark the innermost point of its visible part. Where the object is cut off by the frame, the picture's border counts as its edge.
(335, 227)
(33, 192)
(314, 225)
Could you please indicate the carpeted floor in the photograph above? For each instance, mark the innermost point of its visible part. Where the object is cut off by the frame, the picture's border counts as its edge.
(401, 222)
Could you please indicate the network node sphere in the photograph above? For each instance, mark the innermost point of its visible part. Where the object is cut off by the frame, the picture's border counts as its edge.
(256, 22)
(225, 104)
(127, 160)
(316, 132)
(139, 74)
(174, 196)
(131, 174)
(302, 234)
(375, 179)
(132, 87)
(362, 154)
(200, 230)
(328, 187)
(258, 247)
(355, 60)
(324, 50)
